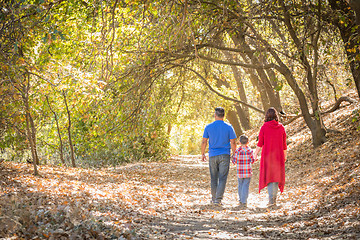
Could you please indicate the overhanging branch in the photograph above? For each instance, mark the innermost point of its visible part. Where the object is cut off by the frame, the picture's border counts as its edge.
(192, 56)
(220, 94)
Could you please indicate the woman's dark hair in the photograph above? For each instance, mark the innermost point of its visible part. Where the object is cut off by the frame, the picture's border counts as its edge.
(271, 114)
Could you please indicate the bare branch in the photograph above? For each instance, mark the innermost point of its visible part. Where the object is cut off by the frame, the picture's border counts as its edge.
(333, 109)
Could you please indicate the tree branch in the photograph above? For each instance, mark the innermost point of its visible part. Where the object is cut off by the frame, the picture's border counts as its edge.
(223, 48)
(219, 94)
(333, 109)
(184, 55)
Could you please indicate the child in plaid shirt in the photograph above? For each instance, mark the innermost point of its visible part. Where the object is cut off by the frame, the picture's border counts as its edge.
(243, 158)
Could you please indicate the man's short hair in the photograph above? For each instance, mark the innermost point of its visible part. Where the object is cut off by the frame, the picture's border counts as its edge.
(244, 139)
(220, 112)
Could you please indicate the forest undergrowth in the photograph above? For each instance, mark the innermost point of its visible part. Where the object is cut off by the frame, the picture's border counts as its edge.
(170, 200)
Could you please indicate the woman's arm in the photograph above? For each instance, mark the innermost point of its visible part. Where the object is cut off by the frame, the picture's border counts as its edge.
(258, 149)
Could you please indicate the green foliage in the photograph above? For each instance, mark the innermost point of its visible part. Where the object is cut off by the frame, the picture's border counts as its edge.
(124, 69)
(130, 149)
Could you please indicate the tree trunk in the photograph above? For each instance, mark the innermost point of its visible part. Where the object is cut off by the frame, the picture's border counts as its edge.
(346, 23)
(58, 131)
(315, 124)
(274, 99)
(243, 112)
(318, 131)
(232, 116)
(243, 116)
(355, 5)
(255, 81)
(275, 86)
(233, 119)
(31, 134)
(69, 132)
(274, 102)
(31, 143)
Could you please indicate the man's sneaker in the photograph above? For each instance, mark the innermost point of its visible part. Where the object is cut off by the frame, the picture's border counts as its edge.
(242, 205)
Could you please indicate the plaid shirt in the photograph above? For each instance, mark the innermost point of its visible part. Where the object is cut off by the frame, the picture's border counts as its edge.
(243, 158)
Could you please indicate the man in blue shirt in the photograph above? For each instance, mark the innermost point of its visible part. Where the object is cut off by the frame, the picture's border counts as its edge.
(221, 137)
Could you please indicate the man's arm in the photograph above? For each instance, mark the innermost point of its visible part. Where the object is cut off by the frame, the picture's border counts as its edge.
(203, 148)
(233, 146)
(285, 154)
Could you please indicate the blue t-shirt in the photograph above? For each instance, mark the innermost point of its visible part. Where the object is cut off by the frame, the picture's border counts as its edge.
(219, 134)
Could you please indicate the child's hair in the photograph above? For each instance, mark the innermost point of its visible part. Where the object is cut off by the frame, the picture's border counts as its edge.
(244, 139)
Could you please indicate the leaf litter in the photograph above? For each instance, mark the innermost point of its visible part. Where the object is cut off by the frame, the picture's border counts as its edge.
(170, 200)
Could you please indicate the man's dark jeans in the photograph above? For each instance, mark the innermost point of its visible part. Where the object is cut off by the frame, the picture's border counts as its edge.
(219, 170)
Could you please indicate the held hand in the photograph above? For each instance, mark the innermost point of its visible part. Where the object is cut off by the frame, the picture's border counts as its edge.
(232, 158)
(203, 158)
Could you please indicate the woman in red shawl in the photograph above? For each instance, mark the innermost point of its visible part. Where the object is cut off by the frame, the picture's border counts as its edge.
(272, 143)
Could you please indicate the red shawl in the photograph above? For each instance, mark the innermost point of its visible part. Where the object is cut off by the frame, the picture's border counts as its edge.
(272, 139)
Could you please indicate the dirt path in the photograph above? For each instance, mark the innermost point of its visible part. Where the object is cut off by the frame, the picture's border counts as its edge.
(192, 217)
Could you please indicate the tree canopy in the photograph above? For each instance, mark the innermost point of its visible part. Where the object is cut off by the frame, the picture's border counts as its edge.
(103, 82)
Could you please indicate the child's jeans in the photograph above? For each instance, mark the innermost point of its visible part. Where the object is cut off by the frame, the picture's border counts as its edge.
(243, 189)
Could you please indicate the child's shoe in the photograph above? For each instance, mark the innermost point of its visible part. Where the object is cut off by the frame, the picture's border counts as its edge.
(272, 203)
